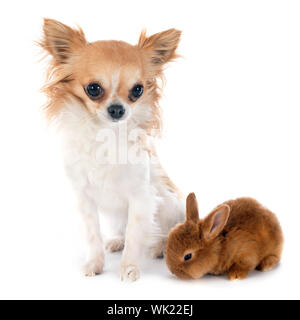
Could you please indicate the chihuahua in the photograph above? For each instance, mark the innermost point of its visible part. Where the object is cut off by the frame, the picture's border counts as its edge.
(104, 97)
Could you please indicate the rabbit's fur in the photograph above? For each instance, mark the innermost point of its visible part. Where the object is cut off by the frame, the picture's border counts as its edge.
(235, 238)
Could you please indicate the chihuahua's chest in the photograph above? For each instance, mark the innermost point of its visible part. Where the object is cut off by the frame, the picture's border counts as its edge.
(98, 170)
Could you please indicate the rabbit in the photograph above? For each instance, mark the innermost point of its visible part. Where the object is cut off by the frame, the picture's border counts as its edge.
(235, 238)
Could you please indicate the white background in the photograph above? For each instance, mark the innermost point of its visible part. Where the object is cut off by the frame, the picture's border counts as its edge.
(231, 109)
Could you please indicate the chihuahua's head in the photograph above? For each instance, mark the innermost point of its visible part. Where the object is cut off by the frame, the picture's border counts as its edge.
(111, 80)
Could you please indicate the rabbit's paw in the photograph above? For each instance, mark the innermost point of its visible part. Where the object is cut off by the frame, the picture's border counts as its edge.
(268, 263)
(236, 273)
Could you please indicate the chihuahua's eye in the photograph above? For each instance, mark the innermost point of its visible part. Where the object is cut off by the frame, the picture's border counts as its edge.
(188, 257)
(94, 90)
(136, 92)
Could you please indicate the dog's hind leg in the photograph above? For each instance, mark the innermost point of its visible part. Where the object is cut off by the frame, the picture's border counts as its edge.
(157, 251)
(116, 244)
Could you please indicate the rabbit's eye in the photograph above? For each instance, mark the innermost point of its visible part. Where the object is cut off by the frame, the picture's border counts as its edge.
(188, 257)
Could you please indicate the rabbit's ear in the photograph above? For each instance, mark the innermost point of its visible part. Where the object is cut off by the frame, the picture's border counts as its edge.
(215, 222)
(192, 213)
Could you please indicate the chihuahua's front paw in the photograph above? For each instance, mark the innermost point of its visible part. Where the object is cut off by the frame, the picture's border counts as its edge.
(129, 272)
(115, 245)
(94, 266)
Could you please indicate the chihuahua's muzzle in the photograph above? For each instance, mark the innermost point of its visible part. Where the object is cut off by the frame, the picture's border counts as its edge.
(116, 111)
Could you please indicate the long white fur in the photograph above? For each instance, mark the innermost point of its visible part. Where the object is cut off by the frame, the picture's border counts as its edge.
(135, 197)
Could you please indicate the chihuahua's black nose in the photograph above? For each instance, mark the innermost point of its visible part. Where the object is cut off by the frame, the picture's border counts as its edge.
(116, 111)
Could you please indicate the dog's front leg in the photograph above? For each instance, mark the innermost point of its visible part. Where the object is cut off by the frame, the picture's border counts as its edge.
(95, 255)
(140, 221)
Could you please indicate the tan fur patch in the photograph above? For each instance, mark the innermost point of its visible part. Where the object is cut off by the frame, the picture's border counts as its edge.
(75, 63)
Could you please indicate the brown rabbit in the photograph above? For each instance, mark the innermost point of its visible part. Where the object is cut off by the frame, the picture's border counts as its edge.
(235, 238)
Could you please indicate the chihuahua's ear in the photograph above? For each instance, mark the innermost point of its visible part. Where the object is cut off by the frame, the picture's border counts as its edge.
(60, 40)
(160, 48)
(215, 222)
(192, 212)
